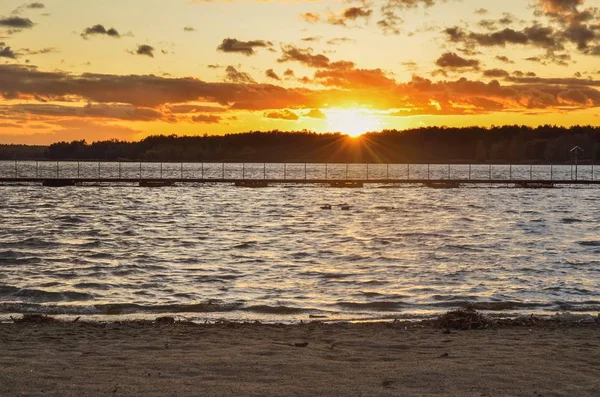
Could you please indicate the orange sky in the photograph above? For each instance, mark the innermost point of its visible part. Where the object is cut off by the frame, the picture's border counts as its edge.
(126, 69)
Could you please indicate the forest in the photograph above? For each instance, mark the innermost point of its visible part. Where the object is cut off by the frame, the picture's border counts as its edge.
(504, 144)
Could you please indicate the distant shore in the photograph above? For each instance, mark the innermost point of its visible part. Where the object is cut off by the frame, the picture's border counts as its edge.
(313, 359)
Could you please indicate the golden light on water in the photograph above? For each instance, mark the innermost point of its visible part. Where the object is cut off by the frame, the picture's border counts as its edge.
(353, 122)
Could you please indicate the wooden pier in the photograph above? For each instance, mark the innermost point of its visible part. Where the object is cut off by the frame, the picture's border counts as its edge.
(261, 175)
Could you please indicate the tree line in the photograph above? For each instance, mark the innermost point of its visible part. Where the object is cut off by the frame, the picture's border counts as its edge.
(504, 144)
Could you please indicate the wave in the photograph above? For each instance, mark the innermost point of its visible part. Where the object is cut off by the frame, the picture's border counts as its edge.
(374, 306)
(39, 295)
(590, 243)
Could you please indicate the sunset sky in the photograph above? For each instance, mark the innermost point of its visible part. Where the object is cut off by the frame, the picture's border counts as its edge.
(125, 69)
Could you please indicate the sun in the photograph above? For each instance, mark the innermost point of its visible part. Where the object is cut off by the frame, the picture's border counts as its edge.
(353, 122)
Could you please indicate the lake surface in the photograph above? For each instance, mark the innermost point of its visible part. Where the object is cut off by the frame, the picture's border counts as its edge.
(217, 251)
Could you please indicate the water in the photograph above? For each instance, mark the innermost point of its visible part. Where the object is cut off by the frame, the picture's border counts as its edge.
(216, 251)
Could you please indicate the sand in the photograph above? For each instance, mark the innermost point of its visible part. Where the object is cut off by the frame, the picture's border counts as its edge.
(62, 359)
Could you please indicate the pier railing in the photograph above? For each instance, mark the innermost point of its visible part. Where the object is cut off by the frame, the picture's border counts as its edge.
(137, 171)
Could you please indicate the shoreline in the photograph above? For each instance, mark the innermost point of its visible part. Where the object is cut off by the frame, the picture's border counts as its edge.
(157, 358)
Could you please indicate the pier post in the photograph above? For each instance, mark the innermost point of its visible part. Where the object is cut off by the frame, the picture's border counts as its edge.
(16, 170)
(469, 171)
(592, 171)
(36, 169)
(510, 172)
(57, 170)
(78, 168)
(428, 175)
(140, 170)
(367, 171)
(387, 171)
(202, 171)
(284, 171)
(223, 171)
(448, 171)
(161, 170)
(326, 171)
(243, 170)
(305, 171)
(182, 170)
(346, 171)
(530, 171)
(551, 172)
(119, 170)
(408, 171)
(490, 175)
(264, 170)
(98, 169)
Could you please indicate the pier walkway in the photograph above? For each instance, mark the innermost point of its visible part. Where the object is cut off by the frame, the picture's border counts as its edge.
(154, 174)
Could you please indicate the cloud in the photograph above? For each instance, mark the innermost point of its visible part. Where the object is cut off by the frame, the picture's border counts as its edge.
(496, 73)
(304, 56)
(284, 114)
(271, 74)
(189, 29)
(31, 6)
(450, 60)
(6, 52)
(100, 30)
(145, 50)
(243, 47)
(310, 17)
(234, 76)
(315, 114)
(97, 111)
(16, 23)
(340, 40)
(349, 14)
(206, 119)
(351, 86)
(504, 59)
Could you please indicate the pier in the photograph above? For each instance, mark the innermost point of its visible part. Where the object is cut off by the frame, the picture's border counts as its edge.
(256, 175)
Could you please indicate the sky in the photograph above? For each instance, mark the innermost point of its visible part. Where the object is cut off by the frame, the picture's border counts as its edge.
(126, 69)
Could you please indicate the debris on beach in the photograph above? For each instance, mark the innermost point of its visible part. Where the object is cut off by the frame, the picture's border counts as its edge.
(33, 319)
(463, 319)
(165, 320)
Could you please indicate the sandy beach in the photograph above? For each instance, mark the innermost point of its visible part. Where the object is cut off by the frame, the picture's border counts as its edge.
(378, 359)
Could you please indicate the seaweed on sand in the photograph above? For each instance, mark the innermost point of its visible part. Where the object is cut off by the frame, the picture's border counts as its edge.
(463, 319)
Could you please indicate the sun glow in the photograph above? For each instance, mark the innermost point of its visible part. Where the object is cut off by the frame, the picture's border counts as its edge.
(353, 122)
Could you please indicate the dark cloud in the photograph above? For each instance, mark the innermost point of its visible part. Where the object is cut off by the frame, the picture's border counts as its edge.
(271, 74)
(206, 119)
(450, 60)
(311, 38)
(284, 114)
(242, 47)
(36, 6)
(100, 30)
(189, 29)
(234, 76)
(496, 73)
(146, 50)
(6, 52)
(481, 11)
(289, 73)
(504, 59)
(16, 23)
(304, 56)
